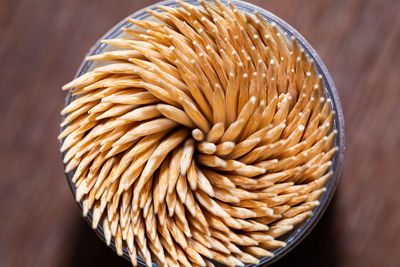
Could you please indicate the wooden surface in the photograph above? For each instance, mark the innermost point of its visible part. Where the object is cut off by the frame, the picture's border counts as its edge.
(42, 44)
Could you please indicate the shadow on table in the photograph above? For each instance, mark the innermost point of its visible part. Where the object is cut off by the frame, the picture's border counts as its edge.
(89, 250)
(319, 248)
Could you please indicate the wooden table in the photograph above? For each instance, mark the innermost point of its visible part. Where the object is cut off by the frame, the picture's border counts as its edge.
(42, 44)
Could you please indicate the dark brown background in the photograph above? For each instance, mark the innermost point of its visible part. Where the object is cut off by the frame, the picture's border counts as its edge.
(42, 43)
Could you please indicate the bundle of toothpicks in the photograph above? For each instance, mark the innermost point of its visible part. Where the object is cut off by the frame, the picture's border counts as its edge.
(204, 138)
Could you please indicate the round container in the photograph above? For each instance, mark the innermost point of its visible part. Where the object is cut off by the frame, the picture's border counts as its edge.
(294, 237)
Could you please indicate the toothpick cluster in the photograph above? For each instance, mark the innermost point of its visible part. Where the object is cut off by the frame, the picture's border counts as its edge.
(206, 137)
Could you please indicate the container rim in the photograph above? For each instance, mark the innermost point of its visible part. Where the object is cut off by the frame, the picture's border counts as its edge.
(301, 231)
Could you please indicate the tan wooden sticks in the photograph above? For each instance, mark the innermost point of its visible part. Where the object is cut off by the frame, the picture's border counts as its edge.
(206, 137)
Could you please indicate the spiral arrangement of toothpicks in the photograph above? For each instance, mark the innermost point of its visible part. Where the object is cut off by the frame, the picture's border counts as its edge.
(205, 137)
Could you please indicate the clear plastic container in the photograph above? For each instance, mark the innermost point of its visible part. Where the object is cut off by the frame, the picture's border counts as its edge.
(294, 237)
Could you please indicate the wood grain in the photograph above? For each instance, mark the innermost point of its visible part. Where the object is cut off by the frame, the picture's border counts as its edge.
(42, 44)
